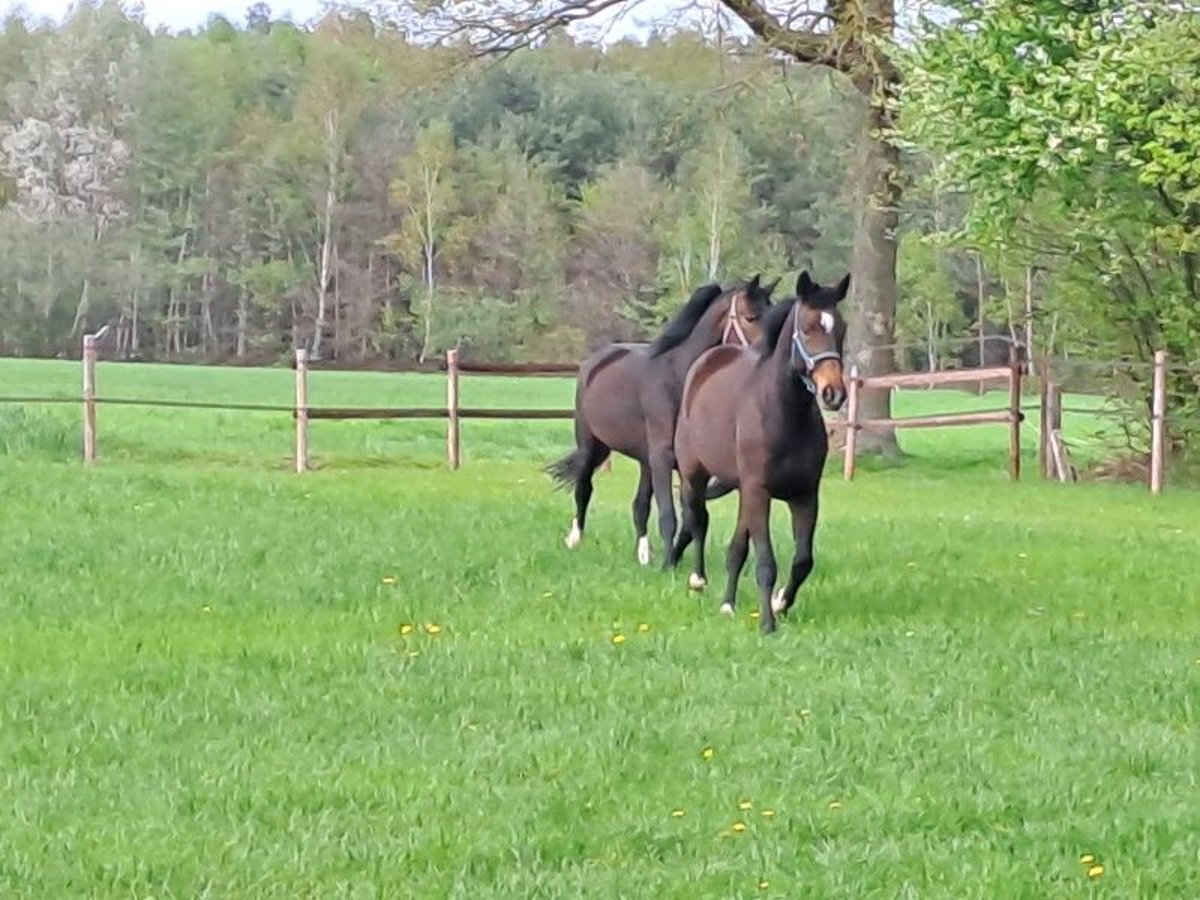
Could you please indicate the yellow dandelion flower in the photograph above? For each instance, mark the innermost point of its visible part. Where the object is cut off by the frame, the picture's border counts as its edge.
(677, 814)
(708, 753)
(1095, 871)
(206, 609)
(406, 629)
(1087, 859)
(618, 638)
(768, 813)
(755, 614)
(431, 628)
(388, 579)
(643, 628)
(745, 805)
(414, 652)
(763, 885)
(738, 827)
(835, 805)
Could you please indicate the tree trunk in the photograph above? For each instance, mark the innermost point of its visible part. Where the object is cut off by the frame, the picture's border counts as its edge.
(242, 316)
(327, 227)
(1029, 312)
(872, 324)
(980, 298)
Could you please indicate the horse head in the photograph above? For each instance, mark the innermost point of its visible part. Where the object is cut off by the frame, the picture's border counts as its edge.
(747, 304)
(818, 336)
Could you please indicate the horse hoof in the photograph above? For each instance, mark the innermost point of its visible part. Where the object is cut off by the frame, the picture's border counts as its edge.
(697, 582)
(727, 609)
(575, 536)
(643, 551)
(777, 604)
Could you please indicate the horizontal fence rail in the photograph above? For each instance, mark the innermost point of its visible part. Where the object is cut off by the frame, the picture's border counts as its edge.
(1053, 452)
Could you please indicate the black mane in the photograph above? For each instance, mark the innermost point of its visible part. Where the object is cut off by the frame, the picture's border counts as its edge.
(772, 325)
(680, 325)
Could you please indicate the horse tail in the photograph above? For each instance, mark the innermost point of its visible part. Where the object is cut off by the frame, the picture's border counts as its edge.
(567, 471)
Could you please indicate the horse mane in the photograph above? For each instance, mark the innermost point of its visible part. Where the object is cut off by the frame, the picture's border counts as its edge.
(772, 325)
(680, 325)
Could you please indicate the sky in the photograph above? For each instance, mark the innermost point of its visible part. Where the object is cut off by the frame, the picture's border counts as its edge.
(179, 14)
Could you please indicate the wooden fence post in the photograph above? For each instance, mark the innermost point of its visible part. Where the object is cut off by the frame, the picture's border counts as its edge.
(301, 411)
(1158, 417)
(453, 439)
(851, 425)
(1014, 412)
(89, 399)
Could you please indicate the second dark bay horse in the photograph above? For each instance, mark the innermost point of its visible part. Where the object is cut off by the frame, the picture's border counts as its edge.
(750, 419)
(627, 398)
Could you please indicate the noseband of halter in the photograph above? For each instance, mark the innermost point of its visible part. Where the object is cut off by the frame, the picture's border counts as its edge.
(733, 326)
(810, 360)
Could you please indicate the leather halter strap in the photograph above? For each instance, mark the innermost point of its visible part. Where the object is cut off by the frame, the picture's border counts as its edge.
(733, 327)
(811, 360)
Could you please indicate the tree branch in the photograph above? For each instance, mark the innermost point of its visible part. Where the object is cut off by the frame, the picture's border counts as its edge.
(804, 46)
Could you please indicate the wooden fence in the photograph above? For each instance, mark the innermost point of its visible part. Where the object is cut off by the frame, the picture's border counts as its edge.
(1052, 455)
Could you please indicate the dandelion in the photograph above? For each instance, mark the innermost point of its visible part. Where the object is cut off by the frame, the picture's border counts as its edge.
(406, 629)
(412, 653)
(745, 805)
(618, 638)
(388, 579)
(431, 628)
(835, 805)
(1087, 859)
(643, 628)
(738, 827)
(677, 814)
(708, 753)
(763, 885)
(768, 813)
(755, 614)
(1095, 871)
(208, 609)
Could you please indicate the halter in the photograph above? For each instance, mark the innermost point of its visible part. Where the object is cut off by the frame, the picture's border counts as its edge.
(733, 326)
(811, 360)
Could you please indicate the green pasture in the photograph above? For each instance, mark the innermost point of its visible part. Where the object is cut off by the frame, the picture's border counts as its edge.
(381, 679)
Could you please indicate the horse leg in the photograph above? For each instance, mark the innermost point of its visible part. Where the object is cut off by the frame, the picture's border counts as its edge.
(804, 524)
(735, 561)
(695, 527)
(757, 506)
(593, 452)
(641, 514)
(662, 467)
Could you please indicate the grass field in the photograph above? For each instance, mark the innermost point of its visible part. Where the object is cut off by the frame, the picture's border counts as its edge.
(382, 679)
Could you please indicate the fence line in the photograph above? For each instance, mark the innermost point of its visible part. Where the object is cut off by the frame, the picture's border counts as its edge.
(1052, 451)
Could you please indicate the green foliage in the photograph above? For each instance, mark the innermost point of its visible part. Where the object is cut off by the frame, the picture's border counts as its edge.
(1072, 132)
(270, 184)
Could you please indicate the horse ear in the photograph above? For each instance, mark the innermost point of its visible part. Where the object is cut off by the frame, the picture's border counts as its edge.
(752, 285)
(843, 288)
(770, 288)
(805, 286)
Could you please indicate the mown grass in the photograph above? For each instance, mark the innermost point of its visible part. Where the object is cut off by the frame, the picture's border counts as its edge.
(207, 686)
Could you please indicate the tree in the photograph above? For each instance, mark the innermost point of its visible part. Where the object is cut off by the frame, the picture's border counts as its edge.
(425, 193)
(1080, 156)
(848, 38)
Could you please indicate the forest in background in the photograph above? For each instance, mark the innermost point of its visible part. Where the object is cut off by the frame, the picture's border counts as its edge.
(231, 193)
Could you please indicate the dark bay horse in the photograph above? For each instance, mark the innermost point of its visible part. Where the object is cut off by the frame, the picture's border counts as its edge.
(627, 398)
(749, 419)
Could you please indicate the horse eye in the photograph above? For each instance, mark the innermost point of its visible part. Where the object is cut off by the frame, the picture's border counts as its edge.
(751, 318)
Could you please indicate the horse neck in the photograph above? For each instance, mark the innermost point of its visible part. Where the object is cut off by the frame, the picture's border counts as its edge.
(704, 336)
(784, 389)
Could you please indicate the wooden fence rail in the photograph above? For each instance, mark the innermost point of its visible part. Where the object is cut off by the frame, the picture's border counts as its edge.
(1052, 451)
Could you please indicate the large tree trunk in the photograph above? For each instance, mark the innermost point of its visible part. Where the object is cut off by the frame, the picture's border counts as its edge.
(872, 323)
(331, 134)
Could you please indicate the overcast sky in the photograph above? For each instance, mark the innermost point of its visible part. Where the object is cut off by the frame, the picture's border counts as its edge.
(178, 14)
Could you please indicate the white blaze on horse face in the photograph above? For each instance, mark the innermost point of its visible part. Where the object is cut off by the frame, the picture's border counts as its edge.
(575, 535)
(696, 582)
(643, 550)
(828, 322)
